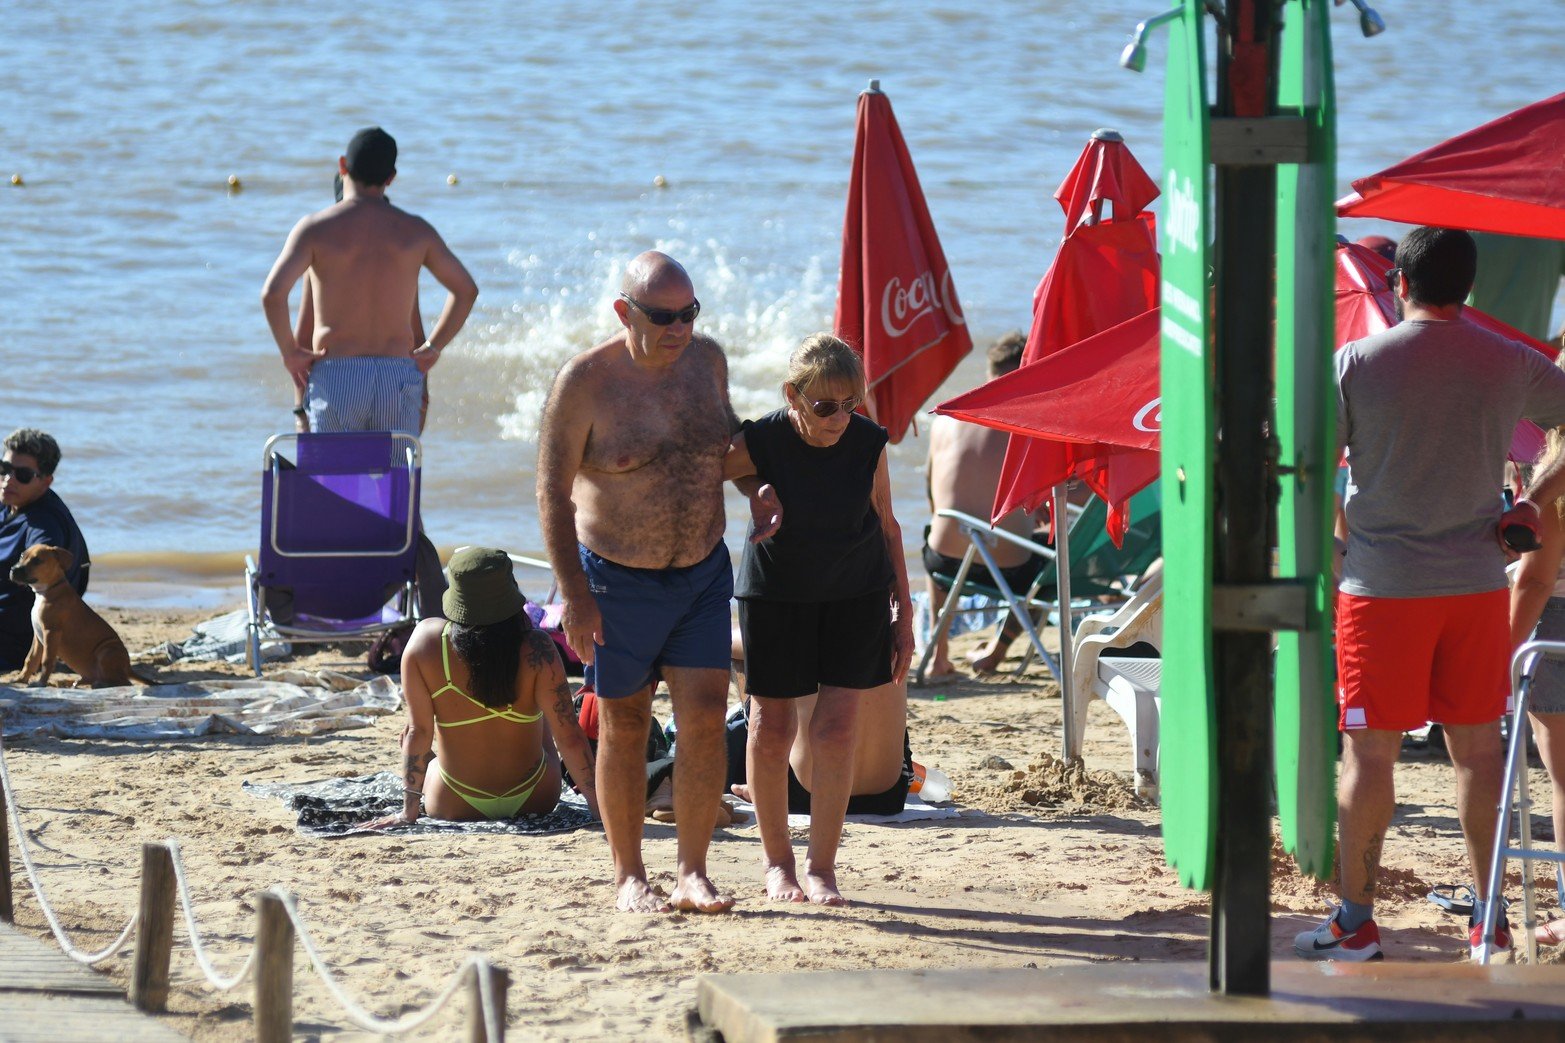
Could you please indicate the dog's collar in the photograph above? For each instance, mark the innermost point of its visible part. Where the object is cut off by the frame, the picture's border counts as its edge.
(57, 583)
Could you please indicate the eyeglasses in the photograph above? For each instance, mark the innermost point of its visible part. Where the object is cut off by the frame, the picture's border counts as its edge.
(25, 475)
(663, 316)
(826, 407)
(1392, 276)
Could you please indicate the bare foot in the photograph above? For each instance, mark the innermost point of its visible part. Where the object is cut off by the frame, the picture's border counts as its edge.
(636, 896)
(985, 664)
(941, 669)
(782, 885)
(660, 805)
(741, 791)
(822, 887)
(1551, 933)
(695, 894)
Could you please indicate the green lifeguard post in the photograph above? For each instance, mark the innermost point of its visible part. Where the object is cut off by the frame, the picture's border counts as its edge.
(1247, 220)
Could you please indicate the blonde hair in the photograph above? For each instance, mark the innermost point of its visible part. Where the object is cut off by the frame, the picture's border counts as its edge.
(823, 358)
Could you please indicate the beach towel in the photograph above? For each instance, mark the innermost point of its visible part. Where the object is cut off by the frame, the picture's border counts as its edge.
(288, 703)
(332, 807)
(914, 809)
(224, 638)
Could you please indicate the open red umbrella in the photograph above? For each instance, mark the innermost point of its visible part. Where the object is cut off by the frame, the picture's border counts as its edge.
(895, 302)
(1106, 271)
(1365, 305)
(1507, 176)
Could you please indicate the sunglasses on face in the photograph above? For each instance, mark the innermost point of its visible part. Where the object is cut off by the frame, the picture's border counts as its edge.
(1392, 276)
(25, 475)
(663, 316)
(826, 407)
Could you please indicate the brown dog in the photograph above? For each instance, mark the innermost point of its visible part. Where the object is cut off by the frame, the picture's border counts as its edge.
(64, 627)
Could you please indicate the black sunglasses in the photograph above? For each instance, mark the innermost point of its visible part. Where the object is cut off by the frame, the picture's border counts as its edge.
(25, 475)
(663, 316)
(1392, 275)
(826, 407)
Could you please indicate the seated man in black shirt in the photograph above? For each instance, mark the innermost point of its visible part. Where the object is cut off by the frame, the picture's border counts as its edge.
(31, 514)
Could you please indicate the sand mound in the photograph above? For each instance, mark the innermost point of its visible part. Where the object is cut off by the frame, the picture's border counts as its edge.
(1049, 782)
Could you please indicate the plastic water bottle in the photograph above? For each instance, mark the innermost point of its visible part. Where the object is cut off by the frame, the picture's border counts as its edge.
(930, 783)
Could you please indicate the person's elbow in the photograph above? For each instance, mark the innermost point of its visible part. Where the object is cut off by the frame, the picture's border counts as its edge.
(465, 290)
(418, 738)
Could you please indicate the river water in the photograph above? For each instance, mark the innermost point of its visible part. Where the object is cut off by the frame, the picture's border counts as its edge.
(131, 272)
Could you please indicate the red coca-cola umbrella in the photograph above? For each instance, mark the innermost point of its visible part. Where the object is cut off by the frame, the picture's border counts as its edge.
(1507, 176)
(895, 302)
(1365, 305)
(1106, 271)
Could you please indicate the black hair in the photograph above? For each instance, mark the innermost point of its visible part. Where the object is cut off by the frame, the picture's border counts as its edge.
(492, 654)
(36, 444)
(1439, 264)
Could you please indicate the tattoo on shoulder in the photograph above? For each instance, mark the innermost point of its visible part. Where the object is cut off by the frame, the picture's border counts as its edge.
(539, 650)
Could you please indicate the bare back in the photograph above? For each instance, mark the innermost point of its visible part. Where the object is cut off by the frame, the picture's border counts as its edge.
(964, 471)
(365, 259)
(649, 488)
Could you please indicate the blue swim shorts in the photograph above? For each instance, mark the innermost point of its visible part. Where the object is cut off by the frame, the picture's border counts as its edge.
(654, 618)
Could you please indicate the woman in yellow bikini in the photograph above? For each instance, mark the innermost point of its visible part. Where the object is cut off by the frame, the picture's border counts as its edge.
(487, 705)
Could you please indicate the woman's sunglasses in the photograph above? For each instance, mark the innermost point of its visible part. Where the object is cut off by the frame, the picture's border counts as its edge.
(826, 407)
(25, 475)
(663, 316)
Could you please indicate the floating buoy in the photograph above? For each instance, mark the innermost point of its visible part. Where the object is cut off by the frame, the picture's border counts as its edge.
(451, 179)
(660, 182)
(16, 179)
(234, 183)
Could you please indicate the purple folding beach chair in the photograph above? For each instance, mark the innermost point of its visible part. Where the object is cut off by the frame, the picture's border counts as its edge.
(339, 528)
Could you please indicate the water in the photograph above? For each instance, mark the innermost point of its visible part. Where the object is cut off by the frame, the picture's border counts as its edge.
(131, 275)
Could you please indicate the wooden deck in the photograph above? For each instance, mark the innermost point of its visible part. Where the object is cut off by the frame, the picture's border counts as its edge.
(1135, 1002)
(47, 997)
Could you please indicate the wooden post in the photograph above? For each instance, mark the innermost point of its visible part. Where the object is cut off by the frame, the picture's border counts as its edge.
(7, 913)
(273, 970)
(154, 929)
(477, 1029)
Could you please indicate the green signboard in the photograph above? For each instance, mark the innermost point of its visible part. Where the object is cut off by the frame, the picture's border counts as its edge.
(1188, 725)
(1306, 718)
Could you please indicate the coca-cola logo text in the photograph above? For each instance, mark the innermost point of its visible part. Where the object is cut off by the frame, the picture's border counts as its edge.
(902, 306)
(1150, 416)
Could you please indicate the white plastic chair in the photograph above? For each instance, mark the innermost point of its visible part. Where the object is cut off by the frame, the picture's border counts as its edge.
(1130, 686)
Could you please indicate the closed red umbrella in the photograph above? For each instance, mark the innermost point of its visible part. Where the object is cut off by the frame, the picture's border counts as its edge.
(895, 302)
(1507, 176)
(1106, 271)
(1365, 305)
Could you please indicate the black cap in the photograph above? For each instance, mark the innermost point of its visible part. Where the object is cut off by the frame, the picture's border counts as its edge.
(372, 156)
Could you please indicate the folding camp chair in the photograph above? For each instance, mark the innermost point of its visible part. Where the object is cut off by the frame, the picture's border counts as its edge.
(339, 529)
(1097, 569)
(1128, 684)
(1523, 665)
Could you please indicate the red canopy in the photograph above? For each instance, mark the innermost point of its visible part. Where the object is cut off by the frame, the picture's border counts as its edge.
(1365, 305)
(895, 302)
(1106, 271)
(1507, 176)
(1096, 401)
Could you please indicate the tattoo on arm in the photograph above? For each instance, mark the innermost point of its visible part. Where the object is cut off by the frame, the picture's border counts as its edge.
(415, 768)
(540, 650)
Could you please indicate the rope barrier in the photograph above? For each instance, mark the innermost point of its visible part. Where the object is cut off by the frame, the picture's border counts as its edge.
(473, 967)
(32, 878)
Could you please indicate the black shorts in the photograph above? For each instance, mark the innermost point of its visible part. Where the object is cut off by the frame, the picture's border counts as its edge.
(943, 569)
(792, 649)
(890, 802)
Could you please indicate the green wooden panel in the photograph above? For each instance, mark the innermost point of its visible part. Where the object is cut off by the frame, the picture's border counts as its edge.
(1306, 716)
(1188, 725)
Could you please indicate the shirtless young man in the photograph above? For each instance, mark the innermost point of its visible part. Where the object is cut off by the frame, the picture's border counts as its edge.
(630, 496)
(363, 257)
(964, 471)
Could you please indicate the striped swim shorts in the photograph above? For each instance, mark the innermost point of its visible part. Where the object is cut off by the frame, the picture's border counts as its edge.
(364, 393)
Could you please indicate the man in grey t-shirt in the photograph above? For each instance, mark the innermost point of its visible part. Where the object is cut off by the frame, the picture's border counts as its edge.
(1426, 411)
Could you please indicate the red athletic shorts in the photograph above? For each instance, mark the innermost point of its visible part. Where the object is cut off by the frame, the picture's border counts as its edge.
(1402, 662)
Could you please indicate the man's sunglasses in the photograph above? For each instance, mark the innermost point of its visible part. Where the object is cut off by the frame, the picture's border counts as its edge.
(1392, 275)
(662, 316)
(826, 407)
(25, 475)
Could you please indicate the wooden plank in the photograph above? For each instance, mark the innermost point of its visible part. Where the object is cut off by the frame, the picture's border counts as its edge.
(27, 964)
(1111, 1002)
(47, 996)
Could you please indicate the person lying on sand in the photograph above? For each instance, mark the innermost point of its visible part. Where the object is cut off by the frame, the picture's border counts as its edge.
(487, 703)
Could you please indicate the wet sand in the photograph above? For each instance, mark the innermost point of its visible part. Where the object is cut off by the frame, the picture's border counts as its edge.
(1039, 870)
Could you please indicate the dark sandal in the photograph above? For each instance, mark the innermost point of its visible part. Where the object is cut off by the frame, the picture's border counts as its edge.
(1453, 898)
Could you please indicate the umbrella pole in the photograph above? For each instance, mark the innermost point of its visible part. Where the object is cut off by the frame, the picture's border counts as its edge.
(1062, 573)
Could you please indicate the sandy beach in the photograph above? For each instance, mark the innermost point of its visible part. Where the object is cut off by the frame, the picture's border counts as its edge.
(1041, 869)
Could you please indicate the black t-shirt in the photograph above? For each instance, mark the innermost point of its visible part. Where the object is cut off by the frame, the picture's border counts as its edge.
(830, 546)
(45, 520)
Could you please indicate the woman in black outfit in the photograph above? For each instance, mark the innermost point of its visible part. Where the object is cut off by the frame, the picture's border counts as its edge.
(816, 601)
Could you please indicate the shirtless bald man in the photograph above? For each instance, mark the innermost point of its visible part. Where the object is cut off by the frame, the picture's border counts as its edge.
(363, 257)
(630, 497)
